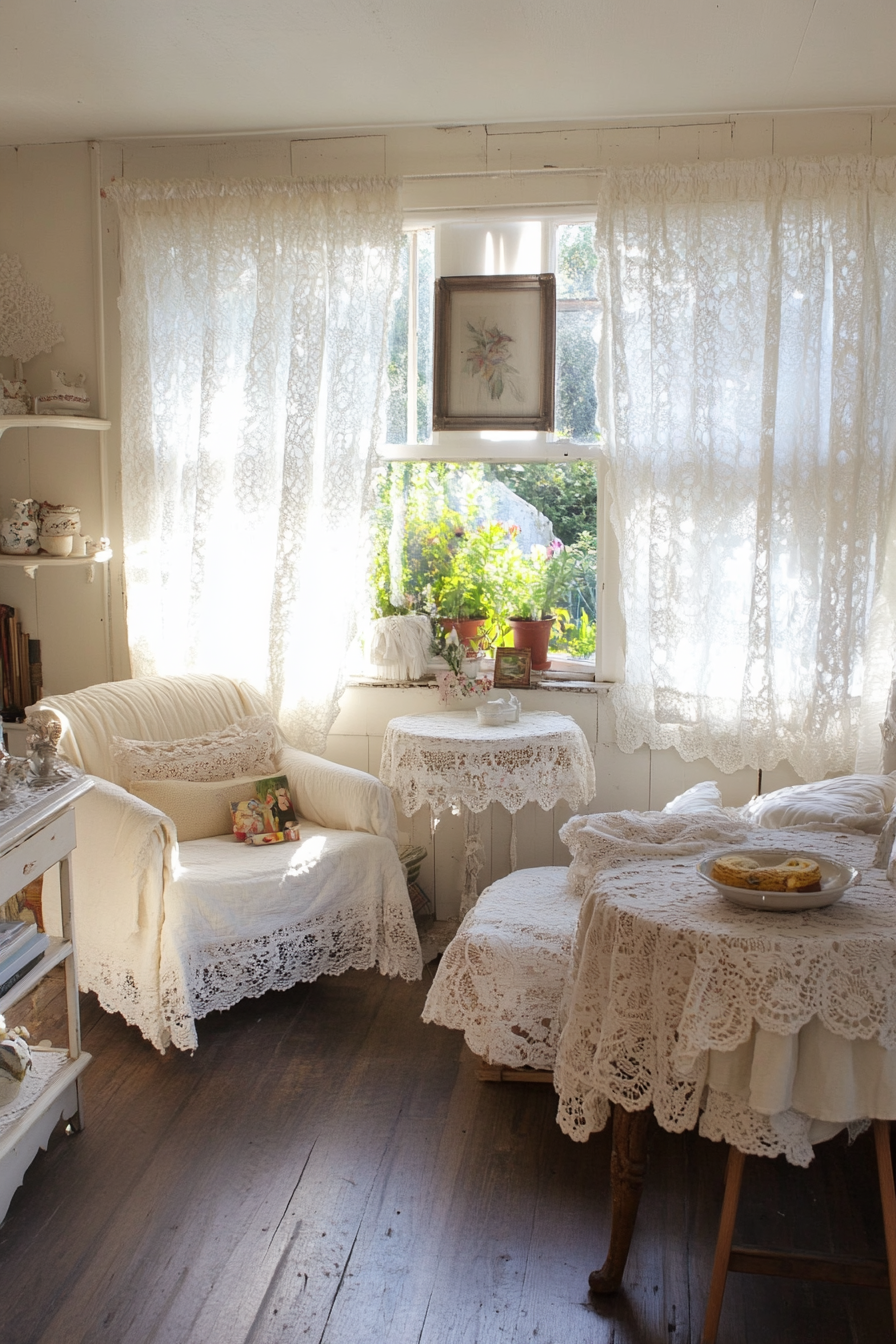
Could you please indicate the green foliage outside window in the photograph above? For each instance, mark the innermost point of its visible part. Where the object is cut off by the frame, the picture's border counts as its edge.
(431, 552)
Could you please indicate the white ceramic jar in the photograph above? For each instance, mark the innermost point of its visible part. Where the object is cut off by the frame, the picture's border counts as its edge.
(56, 545)
(62, 520)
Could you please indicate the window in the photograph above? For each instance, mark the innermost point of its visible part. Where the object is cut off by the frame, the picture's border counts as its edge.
(506, 492)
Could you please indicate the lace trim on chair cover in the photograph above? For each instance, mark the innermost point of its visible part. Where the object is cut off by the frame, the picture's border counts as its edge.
(723, 971)
(728, 1119)
(215, 977)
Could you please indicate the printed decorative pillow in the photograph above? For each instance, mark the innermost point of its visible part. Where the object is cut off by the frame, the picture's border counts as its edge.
(198, 808)
(267, 815)
(853, 802)
(248, 746)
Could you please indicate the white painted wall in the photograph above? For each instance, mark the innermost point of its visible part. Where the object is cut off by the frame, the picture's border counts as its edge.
(46, 219)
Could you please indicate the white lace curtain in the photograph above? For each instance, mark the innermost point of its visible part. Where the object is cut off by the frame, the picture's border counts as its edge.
(253, 319)
(747, 384)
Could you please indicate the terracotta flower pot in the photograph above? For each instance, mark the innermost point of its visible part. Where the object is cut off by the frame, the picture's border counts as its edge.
(534, 635)
(468, 632)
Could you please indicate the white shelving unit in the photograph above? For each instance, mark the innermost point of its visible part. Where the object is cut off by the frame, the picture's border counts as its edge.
(51, 422)
(39, 833)
(31, 563)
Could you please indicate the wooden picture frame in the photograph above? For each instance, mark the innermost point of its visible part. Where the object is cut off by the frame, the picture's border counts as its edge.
(494, 352)
(513, 668)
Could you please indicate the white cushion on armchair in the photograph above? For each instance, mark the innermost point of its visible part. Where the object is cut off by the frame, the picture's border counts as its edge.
(169, 931)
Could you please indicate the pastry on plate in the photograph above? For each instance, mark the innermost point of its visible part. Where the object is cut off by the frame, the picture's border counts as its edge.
(795, 874)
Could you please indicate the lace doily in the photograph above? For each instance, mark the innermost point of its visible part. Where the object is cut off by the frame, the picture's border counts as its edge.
(443, 760)
(665, 970)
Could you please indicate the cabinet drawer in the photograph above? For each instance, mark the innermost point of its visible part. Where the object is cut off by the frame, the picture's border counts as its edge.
(36, 854)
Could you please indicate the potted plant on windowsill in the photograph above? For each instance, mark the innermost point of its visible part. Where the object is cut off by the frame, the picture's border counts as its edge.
(545, 580)
(463, 594)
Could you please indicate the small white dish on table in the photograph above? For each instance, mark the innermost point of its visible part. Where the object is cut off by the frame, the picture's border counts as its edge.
(836, 879)
(499, 709)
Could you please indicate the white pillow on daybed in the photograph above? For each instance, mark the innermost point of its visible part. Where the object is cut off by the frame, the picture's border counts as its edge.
(703, 797)
(855, 802)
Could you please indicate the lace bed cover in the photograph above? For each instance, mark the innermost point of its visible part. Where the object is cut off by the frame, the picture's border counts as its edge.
(724, 971)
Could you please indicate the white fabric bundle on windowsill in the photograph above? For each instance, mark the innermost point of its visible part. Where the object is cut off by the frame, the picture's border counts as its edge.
(398, 648)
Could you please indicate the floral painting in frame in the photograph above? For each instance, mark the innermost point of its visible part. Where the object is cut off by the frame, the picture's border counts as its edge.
(494, 352)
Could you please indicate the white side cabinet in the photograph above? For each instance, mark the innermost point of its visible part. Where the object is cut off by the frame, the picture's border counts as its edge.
(37, 831)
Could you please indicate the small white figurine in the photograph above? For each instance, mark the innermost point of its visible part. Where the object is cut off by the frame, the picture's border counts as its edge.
(15, 1060)
(14, 398)
(7, 778)
(66, 398)
(43, 764)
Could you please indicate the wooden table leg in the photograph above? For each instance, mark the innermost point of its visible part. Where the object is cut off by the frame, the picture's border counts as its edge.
(887, 1201)
(733, 1178)
(627, 1166)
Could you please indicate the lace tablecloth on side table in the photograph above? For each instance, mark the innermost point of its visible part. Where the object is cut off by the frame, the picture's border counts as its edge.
(450, 760)
(677, 996)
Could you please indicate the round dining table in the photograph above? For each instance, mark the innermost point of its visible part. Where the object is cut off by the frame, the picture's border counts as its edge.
(768, 1031)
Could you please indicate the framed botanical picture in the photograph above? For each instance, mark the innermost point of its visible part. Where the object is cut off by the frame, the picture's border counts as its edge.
(494, 352)
(513, 668)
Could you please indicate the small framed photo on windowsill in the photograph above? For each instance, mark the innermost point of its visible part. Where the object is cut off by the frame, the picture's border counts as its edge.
(513, 668)
(494, 352)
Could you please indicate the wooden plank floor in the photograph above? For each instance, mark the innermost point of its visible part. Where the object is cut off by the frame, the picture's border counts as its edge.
(328, 1169)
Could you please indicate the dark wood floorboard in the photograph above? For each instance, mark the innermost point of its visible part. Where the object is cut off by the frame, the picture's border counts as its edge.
(328, 1169)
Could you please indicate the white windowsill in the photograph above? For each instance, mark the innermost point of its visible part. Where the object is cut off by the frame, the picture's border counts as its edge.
(567, 687)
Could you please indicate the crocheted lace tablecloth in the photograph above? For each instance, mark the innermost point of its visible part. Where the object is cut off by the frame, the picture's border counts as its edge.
(442, 760)
(451, 760)
(665, 971)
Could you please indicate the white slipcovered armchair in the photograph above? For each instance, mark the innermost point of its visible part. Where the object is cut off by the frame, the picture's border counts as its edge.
(170, 931)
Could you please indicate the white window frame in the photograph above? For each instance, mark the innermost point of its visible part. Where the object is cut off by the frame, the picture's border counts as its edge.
(534, 446)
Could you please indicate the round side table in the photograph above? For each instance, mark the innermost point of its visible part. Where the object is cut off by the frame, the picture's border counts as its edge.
(450, 760)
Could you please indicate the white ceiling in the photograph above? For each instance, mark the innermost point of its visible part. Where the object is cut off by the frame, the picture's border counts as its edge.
(80, 69)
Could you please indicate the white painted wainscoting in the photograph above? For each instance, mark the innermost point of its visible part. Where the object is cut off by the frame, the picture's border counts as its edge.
(643, 780)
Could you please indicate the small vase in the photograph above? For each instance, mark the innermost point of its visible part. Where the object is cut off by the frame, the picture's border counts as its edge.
(469, 632)
(534, 635)
(59, 520)
(18, 536)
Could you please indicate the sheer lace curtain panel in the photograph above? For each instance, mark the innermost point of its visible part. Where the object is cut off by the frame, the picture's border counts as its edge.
(747, 385)
(253, 320)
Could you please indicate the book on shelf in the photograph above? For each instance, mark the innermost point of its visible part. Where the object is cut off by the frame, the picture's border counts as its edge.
(14, 935)
(12, 968)
(9, 979)
(20, 662)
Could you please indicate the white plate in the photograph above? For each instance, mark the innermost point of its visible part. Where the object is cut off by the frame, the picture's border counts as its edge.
(836, 878)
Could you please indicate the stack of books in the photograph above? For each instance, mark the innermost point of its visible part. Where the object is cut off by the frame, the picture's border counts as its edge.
(20, 662)
(21, 947)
